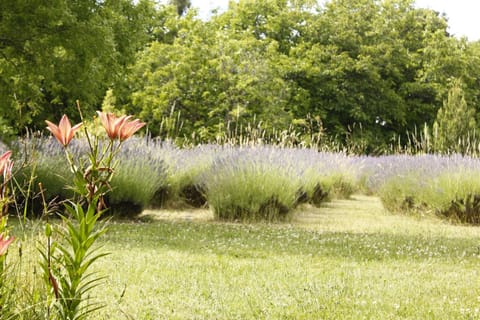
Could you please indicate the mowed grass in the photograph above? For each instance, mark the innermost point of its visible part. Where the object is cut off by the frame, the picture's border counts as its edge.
(348, 260)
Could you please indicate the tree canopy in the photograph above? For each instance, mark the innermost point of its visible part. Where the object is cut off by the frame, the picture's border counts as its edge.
(57, 51)
(383, 66)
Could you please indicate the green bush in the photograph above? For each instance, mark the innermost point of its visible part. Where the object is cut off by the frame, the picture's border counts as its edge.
(183, 188)
(319, 186)
(315, 190)
(53, 173)
(401, 194)
(343, 185)
(136, 180)
(184, 167)
(453, 193)
(242, 190)
(139, 174)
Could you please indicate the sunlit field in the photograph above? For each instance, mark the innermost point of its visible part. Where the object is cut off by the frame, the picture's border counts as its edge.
(274, 160)
(347, 260)
(264, 232)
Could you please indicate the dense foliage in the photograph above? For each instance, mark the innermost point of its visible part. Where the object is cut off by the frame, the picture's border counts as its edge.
(364, 70)
(262, 182)
(238, 183)
(55, 52)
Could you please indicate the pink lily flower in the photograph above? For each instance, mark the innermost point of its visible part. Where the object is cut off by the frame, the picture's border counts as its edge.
(119, 127)
(64, 132)
(129, 128)
(6, 165)
(4, 243)
(112, 123)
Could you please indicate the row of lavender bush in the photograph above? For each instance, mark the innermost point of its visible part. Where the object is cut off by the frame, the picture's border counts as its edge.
(448, 186)
(262, 182)
(266, 183)
(238, 183)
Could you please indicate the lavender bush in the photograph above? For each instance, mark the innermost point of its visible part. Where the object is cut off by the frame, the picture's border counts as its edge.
(184, 167)
(137, 178)
(250, 184)
(325, 175)
(445, 185)
(266, 183)
(45, 163)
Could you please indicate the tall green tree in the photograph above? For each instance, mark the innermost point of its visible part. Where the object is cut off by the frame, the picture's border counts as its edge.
(212, 76)
(455, 120)
(376, 63)
(57, 51)
(181, 5)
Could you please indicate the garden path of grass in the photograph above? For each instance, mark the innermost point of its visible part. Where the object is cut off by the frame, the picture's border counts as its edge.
(347, 260)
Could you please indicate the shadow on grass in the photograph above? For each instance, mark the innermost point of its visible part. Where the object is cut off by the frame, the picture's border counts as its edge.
(256, 241)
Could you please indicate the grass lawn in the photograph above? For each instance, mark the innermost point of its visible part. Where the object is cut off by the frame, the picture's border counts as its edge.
(347, 260)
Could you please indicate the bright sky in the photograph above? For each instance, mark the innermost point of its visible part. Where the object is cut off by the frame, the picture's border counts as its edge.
(462, 15)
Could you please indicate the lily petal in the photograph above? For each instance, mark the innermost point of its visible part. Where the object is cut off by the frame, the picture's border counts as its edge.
(6, 164)
(4, 243)
(119, 127)
(63, 132)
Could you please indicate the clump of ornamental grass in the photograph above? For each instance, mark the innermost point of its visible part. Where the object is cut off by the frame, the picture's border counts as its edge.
(138, 176)
(251, 185)
(184, 167)
(448, 186)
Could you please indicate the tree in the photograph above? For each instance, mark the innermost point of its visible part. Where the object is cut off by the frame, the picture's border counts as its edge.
(181, 5)
(55, 52)
(363, 60)
(455, 121)
(279, 20)
(212, 76)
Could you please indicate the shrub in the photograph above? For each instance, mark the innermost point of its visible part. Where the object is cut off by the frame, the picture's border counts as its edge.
(455, 194)
(328, 186)
(399, 180)
(138, 177)
(140, 173)
(315, 188)
(401, 194)
(184, 169)
(251, 185)
(343, 185)
(447, 186)
(325, 176)
(44, 163)
(455, 120)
